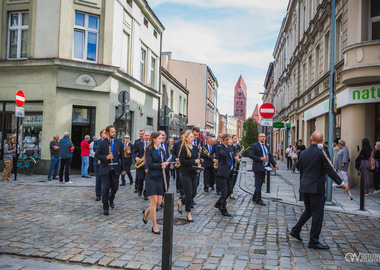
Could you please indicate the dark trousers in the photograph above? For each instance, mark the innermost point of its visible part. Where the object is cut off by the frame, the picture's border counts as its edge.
(259, 181)
(314, 204)
(110, 185)
(189, 185)
(65, 165)
(140, 179)
(376, 179)
(289, 163)
(167, 171)
(235, 176)
(209, 177)
(178, 181)
(91, 167)
(54, 165)
(172, 173)
(98, 182)
(225, 191)
(217, 182)
(127, 172)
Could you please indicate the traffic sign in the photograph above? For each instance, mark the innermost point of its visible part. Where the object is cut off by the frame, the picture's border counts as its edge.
(266, 122)
(122, 109)
(267, 110)
(20, 112)
(20, 98)
(123, 97)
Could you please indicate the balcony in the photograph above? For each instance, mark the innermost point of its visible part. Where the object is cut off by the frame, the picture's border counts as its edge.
(361, 63)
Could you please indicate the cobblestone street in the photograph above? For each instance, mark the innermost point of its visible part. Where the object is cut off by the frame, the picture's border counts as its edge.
(64, 223)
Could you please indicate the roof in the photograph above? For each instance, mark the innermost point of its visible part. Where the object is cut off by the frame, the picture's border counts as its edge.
(241, 84)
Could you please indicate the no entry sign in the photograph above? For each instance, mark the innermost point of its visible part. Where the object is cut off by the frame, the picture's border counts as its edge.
(266, 110)
(20, 98)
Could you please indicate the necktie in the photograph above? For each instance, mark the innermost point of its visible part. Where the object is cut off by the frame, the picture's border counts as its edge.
(209, 148)
(158, 152)
(265, 151)
(195, 142)
(112, 145)
(146, 143)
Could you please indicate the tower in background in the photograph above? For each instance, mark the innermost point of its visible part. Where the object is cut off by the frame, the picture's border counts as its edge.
(240, 99)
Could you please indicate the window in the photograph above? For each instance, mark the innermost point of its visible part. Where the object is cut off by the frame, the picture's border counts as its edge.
(86, 30)
(155, 33)
(237, 103)
(237, 111)
(146, 22)
(242, 103)
(374, 25)
(130, 2)
(152, 72)
(125, 52)
(180, 105)
(142, 65)
(241, 111)
(171, 99)
(18, 27)
(339, 33)
(184, 107)
(149, 121)
(316, 63)
(326, 53)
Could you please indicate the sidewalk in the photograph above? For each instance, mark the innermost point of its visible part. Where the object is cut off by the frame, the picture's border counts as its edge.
(284, 186)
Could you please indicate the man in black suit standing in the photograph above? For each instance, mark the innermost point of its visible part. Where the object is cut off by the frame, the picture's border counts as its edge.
(214, 153)
(313, 168)
(111, 157)
(140, 172)
(128, 154)
(236, 148)
(226, 162)
(261, 156)
(208, 164)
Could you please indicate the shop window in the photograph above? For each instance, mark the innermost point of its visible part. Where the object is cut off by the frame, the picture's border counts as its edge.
(152, 72)
(374, 24)
(32, 133)
(149, 121)
(142, 65)
(86, 30)
(18, 27)
(81, 116)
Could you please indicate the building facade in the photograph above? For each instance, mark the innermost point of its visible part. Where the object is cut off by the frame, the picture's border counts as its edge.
(240, 99)
(72, 58)
(222, 124)
(203, 87)
(302, 69)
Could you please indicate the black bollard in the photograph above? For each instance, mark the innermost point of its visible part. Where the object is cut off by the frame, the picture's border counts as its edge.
(268, 181)
(361, 192)
(167, 236)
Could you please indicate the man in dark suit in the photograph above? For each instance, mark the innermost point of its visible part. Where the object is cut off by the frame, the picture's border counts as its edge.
(140, 172)
(208, 164)
(175, 153)
(128, 155)
(111, 157)
(215, 154)
(262, 158)
(236, 149)
(98, 178)
(164, 145)
(224, 173)
(141, 137)
(313, 168)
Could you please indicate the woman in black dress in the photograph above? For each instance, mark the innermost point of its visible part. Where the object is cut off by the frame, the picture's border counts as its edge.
(154, 179)
(188, 157)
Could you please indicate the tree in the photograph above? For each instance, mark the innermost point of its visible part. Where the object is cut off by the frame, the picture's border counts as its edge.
(250, 132)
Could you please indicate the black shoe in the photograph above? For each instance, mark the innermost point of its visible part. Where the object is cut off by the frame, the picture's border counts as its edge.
(253, 199)
(136, 191)
(295, 235)
(155, 232)
(122, 184)
(206, 190)
(162, 205)
(144, 220)
(106, 212)
(87, 176)
(226, 214)
(131, 182)
(112, 205)
(189, 220)
(180, 197)
(146, 198)
(140, 193)
(177, 190)
(261, 203)
(55, 178)
(217, 206)
(179, 210)
(318, 246)
(212, 188)
(97, 198)
(218, 193)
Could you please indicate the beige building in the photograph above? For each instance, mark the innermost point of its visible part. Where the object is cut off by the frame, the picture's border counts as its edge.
(203, 87)
(72, 58)
(302, 69)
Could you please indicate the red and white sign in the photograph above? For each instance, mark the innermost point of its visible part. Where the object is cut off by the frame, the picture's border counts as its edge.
(266, 110)
(20, 98)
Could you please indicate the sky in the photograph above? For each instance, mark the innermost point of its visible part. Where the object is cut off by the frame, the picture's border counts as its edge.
(233, 37)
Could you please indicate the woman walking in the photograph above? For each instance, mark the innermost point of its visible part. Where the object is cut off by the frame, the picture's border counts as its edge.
(8, 157)
(342, 161)
(188, 157)
(154, 179)
(363, 157)
(294, 157)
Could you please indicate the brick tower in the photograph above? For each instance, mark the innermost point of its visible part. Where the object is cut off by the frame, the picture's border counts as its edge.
(240, 99)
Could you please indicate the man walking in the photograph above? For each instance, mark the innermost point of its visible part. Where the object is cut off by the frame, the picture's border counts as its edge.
(128, 154)
(208, 164)
(313, 168)
(111, 157)
(66, 149)
(262, 158)
(85, 153)
(98, 178)
(54, 158)
(140, 172)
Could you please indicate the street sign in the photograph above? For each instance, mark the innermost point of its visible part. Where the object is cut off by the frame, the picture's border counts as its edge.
(122, 109)
(266, 122)
(123, 97)
(20, 98)
(267, 110)
(20, 112)
(165, 110)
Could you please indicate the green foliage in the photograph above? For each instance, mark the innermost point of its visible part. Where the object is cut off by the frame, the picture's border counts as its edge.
(250, 133)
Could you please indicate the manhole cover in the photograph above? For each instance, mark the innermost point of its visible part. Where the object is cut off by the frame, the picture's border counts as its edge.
(260, 251)
(176, 221)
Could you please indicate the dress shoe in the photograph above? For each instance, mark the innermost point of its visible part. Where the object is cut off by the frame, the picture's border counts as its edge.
(144, 220)
(261, 203)
(55, 178)
(106, 212)
(179, 211)
(295, 235)
(226, 214)
(140, 193)
(130, 182)
(217, 206)
(49, 179)
(112, 205)
(212, 188)
(318, 246)
(155, 232)
(136, 191)
(122, 184)
(162, 205)
(146, 198)
(97, 198)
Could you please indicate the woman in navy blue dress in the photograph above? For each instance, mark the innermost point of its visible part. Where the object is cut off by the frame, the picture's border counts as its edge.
(154, 179)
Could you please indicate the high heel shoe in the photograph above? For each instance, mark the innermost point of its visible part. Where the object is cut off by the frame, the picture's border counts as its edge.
(180, 211)
(145, 221)
(189, 220)
(155, 232)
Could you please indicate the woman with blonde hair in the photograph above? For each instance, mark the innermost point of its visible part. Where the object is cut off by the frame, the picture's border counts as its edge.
(8, 156)
(188, 157)
(154, 179)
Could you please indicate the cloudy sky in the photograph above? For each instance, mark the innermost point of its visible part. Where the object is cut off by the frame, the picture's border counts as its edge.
(232, 37)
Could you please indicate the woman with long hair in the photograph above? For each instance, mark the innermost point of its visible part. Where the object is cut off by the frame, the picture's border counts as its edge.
(363, 157)
(8, 156)
(154, 179)
(188, 157)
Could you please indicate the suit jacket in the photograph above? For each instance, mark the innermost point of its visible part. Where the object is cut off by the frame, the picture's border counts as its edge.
(176, 148)
(187, 163)
(94, 147)
(118, 156)
(139, 149)
(255, 153)
(225, 163)
(236, 149)
(313, 168)
(208, 161)
(138, 141)
(153, 164)
(214, 147)
(129, 160)
(198, 142)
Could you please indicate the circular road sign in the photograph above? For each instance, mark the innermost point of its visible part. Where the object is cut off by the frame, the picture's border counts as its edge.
(266, 110)
(124, 97)
(20, 98)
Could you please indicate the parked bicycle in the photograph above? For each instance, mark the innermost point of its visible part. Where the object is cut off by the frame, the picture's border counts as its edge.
(26, 163)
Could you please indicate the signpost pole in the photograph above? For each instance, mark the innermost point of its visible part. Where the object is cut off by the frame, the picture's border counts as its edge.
(18, 126)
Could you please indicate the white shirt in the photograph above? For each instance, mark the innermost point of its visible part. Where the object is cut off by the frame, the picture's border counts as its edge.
(265, 155)
(92, 153)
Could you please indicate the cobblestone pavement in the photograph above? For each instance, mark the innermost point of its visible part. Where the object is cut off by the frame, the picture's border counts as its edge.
(64, 223)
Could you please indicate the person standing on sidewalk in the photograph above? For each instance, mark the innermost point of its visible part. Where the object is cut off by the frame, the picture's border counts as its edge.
(300, 148)
(313, 168)
(342, 161)
(294, 157)
(7, 158)
(363, 160)
(262, 158)
(54, 155)
(85, 153)
(376, 173)
(288, 157)
(92, 156)
(66, 149)
(98, 179)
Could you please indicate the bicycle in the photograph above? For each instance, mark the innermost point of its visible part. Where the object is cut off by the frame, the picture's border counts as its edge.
(26, 163)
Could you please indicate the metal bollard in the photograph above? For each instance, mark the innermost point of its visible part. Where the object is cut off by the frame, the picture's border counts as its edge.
(268, 181)
(361, 192)
(167, 236)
